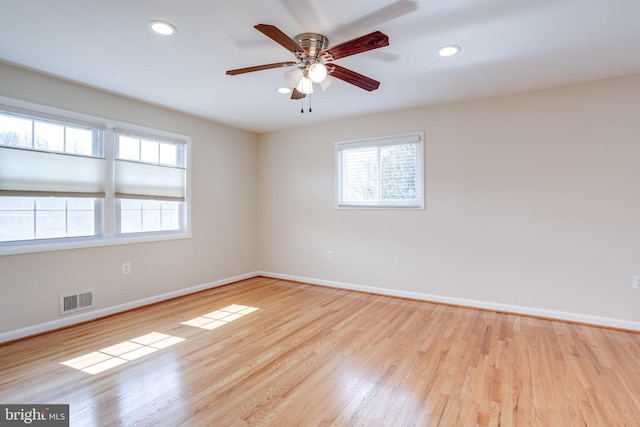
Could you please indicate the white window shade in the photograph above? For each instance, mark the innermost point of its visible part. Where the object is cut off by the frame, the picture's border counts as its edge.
(135, 180)
(37, 173)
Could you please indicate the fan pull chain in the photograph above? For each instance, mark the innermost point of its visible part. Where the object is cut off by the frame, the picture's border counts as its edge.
(302, 105)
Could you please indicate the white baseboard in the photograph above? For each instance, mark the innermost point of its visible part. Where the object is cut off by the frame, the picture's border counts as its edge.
(96, 314)
(506, 308)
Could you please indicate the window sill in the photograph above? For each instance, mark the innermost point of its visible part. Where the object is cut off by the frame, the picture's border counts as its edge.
(89, 243)
(391, 207)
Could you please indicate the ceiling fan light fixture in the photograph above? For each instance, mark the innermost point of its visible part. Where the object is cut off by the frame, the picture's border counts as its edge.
(293, 76)
(161, 27)
(327, 82)
(305, 86)
(317, 72)
(449, 50)
(315, 62)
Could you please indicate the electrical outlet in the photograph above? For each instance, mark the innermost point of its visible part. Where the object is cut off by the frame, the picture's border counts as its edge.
(636, 281)
(126, 268)
(329, 255)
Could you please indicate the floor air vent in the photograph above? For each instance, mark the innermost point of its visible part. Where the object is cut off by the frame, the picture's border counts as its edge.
(76, 302)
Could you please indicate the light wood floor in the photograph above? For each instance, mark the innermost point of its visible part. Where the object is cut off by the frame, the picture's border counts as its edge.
(313, 356)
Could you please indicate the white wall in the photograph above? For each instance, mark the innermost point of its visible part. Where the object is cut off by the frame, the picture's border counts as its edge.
(224, 218)
(532, 200)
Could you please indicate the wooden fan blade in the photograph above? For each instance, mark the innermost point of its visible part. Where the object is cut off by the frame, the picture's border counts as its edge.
(361, 44)
(354, 78)
(281, 38)
(259, 68)
(296, 94)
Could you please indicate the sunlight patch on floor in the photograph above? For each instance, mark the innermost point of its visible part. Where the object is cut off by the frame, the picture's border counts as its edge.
(118, 354)
(220, 317)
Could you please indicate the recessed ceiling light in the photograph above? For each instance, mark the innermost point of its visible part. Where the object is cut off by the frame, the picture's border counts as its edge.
(162, 27)
(284, 90)
(449, 50)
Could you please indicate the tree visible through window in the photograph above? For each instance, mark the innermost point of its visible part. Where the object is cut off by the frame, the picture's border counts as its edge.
(381, 172)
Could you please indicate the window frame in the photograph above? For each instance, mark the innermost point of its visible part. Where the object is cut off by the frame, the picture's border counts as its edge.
(107, 218)
(180, 164)
(377, 142)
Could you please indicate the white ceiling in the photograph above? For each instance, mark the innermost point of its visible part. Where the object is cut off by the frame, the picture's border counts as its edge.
(507, 46)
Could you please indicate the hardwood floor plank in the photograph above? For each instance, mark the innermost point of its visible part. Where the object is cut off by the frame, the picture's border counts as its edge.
(312, 356)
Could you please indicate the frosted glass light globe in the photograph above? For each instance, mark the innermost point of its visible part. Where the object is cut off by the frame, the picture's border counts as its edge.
(305, 86)
(317, 72)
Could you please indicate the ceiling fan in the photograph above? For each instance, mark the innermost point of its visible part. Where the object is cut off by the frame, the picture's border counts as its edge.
(315, 60)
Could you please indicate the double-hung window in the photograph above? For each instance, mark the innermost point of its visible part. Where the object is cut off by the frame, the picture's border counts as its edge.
(69, 182)
(386, 172)
(51, 179)
(149, 183)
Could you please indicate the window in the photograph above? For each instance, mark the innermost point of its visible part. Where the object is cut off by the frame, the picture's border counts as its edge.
(69, 182)
(149, 184)
(34, 218)
(383, 172)
(41, 159)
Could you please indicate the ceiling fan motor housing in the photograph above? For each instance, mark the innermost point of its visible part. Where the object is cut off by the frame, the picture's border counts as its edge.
(313, 43)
